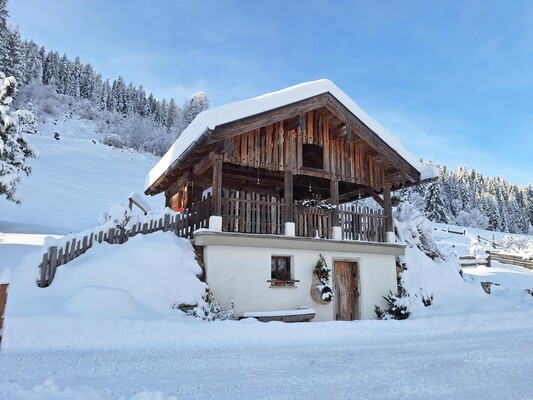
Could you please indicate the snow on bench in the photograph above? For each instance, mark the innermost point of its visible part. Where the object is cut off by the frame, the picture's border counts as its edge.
(299, 315)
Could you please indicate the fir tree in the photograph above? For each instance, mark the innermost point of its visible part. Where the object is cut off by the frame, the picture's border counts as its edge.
(14, 147)
(434, 207)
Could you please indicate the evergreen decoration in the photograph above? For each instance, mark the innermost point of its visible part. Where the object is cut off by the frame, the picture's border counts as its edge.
(322, 273)
(317, 201)
(210, 310)
(393, 310)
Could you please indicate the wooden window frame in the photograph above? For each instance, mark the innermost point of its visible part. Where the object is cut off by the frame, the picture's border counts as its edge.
(277, 281)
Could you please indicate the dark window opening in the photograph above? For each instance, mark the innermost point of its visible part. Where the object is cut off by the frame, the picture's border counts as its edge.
(313, 156)
(281, 271)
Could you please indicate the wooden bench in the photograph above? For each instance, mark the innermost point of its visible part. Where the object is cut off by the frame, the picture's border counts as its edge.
(299, 315)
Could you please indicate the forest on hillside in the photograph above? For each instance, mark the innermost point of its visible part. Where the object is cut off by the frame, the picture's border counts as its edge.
(50, 85)
(467, 198)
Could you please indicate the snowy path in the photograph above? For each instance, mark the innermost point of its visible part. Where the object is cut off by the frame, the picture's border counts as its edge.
(464, 357)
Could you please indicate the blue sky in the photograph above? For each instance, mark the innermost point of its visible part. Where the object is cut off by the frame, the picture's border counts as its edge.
(452, 79)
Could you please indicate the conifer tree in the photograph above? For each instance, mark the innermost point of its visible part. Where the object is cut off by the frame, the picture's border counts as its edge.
(15, 149)
(434, 206)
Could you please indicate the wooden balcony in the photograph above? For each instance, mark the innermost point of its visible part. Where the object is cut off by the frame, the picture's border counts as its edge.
(260, 214)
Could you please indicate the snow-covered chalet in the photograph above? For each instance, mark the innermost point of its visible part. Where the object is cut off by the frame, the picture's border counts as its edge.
(275, 181)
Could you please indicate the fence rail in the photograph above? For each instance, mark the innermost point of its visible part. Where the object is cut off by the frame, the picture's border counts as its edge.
(510, 259)
(473, 261)
(183, 224)
(362, 223)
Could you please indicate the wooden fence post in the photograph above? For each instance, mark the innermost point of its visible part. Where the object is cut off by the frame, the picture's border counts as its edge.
(3, 301)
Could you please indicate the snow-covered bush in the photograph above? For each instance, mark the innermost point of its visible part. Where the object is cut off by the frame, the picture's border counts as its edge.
(518, 245)
(118, 216)
(415, 229)
(473, 218)
(15, 150)
(430, 275)
(396, 308)
(210, 310)
(113, 140)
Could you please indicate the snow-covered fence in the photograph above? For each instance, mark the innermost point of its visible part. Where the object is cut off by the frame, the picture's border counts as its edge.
(182, 224)
(511, 259)
(473, 261)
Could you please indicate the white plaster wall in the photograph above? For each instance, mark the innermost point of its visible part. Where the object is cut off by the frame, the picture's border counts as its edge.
(240, 274)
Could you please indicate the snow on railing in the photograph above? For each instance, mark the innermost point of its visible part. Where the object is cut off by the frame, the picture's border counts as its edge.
(56, 252)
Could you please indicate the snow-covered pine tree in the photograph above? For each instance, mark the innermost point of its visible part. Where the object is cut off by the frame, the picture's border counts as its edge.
(197, 103)
(15, 150)
(434, 207)
(14, 63)
(34, 66)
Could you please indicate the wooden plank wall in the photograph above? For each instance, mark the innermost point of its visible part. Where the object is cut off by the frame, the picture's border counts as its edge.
(276, 149)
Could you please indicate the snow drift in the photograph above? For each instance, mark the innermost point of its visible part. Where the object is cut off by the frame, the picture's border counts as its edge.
(141, 279)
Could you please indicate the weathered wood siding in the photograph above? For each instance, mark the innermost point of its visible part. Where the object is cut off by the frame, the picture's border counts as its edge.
(276, 148)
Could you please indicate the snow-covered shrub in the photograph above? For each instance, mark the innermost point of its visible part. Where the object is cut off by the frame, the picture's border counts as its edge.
(518, 245)
(113, 140)
(210, 310)
(431, 270)
(473, 218)
(396, 307)
(118, 216)
(415, 229)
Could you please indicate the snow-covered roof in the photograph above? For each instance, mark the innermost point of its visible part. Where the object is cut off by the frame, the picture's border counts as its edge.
(210, 119)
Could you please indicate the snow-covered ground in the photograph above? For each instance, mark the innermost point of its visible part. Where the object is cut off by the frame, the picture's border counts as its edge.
(106, 328)
(474, 356)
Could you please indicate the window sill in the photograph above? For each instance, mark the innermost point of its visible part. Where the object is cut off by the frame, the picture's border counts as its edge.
(282, 284)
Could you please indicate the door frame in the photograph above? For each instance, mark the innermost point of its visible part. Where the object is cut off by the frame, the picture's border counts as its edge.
(357, 305)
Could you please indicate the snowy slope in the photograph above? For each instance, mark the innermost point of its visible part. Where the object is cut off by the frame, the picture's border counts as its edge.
(73, 182)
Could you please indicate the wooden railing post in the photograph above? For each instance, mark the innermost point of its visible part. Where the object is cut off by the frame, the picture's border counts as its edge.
(288, 195)
(217, 184)
(387, 206)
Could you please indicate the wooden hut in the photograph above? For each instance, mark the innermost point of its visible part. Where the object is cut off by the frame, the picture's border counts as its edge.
(287, 164)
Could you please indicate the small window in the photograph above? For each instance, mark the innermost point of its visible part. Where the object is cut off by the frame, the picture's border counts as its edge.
(313, 156)
(281, 271)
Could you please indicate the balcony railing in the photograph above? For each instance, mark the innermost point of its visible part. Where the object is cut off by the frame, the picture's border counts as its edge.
(260, 214)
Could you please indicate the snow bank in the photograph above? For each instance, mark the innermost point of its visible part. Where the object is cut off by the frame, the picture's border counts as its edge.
(437, 277)
(210, 119)
(141, 279)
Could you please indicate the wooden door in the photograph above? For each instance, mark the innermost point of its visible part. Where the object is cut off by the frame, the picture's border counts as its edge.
(346, 288)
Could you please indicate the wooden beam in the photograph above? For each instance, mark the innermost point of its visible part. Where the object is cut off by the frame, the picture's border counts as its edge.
(389, 223)
(334, 198)
(370, 137)
(376, 197)
(202, 166)
(267, 118)
(189, 189)
(217, 185)
(288, 194)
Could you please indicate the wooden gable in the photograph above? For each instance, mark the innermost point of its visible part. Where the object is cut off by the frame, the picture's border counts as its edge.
(275, 141)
